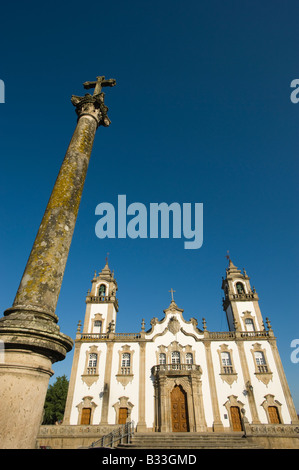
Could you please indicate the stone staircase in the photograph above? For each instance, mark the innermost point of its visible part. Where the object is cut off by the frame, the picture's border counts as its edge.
(188, 440)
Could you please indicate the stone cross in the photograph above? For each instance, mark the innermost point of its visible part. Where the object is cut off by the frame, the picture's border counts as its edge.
(100, 82)
(172, 291)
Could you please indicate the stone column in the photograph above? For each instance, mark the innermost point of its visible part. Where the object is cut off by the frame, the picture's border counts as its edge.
(29, 329)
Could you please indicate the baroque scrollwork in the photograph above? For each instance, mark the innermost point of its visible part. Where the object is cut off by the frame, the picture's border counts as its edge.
(92, 106)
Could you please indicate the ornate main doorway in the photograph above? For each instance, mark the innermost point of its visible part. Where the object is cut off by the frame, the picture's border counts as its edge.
(178, 398)
(179, 411)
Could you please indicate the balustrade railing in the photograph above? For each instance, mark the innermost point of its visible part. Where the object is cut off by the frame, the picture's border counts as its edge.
(93, 336)
(170, 367)
(103, 336)
(101, 298)
(216, 335)
(122, 435)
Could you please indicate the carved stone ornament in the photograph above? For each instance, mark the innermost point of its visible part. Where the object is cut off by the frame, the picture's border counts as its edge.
(89, 379)
(124, 379)
(92, 106)
(174, 325)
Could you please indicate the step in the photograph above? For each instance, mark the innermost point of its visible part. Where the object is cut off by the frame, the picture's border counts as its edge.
(188, 441)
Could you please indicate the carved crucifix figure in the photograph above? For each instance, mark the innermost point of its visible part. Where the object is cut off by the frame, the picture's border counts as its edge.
(99, 84)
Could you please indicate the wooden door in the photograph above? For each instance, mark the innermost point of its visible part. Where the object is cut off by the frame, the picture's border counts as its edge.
(123, 414)
(179, 413)
(273, 415)
(236, 418)
(85, 416)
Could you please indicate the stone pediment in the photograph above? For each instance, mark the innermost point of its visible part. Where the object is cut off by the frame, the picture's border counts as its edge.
(173, 322)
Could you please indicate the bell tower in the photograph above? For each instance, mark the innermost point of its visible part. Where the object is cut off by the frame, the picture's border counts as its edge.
(240, 301)
(101, 303)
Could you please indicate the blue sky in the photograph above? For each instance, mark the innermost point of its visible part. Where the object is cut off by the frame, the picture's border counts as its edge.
(201, 113)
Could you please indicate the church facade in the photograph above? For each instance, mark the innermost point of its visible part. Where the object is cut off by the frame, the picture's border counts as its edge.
(177, 377)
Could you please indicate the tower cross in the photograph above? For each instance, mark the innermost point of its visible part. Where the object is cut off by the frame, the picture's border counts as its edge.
(172, 291)
(100, 82)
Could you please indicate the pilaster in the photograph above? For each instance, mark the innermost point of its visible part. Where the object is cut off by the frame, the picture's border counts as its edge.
(107, 380)
(141, 425)
(217, 425)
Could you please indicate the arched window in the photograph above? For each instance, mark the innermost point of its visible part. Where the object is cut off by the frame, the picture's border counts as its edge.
(175, 358)
(226, 362)
(249, 324)
(260, 361)
(162, 358)
(189, 360)
(102, 290)
(240, 288)
(126, 363)
(92, 363)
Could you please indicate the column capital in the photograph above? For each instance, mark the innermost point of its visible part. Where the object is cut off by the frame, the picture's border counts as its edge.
(93, 106)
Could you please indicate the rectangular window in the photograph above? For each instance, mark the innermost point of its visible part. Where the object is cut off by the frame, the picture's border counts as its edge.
(126, 364)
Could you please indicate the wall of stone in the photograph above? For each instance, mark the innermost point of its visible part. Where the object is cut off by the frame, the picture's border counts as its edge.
(71, 437)
(76, 437)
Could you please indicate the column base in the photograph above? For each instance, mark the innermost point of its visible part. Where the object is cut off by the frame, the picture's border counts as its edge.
(218, 426)
(31, 343)
(24, 378)
(141, 427)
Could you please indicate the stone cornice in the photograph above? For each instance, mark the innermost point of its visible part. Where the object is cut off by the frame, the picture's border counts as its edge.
(208, 336)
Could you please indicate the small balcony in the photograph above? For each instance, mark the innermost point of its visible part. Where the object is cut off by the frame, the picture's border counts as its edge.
(176, 369)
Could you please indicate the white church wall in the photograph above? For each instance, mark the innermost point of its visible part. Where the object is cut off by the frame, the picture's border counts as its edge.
(261, 389)
(98, 308)
(117, 390)
(246, 307)
(224, 389)
(81, 388)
